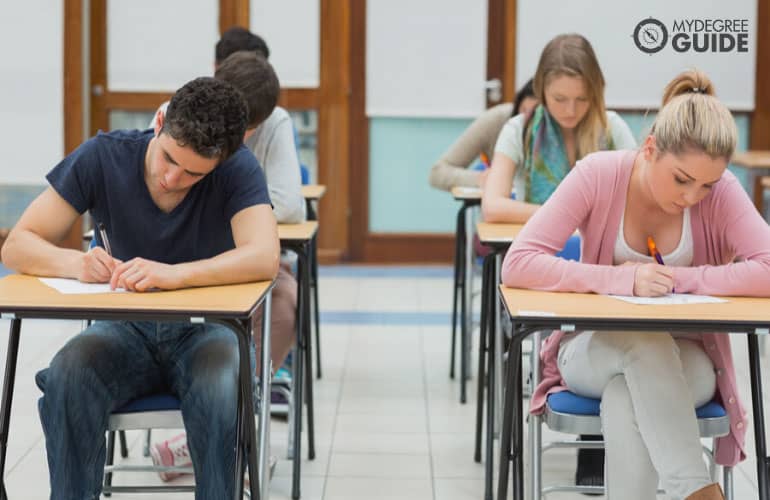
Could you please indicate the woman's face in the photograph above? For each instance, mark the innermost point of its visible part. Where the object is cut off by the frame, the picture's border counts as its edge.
(567, 100)
(680, 181)
(527, 105)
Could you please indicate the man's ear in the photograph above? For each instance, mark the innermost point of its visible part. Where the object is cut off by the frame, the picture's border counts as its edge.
(160, 117)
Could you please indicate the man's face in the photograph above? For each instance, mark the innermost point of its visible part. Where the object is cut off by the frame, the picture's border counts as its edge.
(173, 168)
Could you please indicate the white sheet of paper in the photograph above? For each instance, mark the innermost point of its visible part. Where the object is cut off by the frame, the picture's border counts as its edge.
(71, 286)
(672, 299)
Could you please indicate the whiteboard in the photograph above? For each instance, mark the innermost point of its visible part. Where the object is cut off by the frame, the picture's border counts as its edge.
(157, 46)
(635, 80)
(292, 31)
(31, 90)
(426, 58)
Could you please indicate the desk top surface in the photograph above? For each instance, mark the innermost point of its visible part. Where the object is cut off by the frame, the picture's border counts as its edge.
(466, 193)
(303, 231)
(540, 306)
(497, 233)
(313, 191)
(752, 159)
(26, 294)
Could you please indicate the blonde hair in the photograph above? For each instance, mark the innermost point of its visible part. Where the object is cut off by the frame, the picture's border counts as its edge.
(572, 55)
(693, 119)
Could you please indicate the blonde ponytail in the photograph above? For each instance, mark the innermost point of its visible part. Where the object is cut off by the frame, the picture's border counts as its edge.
(693, 119)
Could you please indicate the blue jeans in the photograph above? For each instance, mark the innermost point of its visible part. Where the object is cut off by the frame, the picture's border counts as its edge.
(113, 362)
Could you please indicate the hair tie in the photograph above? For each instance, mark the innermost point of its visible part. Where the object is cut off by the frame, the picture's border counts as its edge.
(697, 90)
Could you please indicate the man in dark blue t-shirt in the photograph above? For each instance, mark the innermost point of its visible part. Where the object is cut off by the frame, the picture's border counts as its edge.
(182, 205)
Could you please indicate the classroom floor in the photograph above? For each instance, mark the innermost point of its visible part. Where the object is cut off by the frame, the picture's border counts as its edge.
(388, 421)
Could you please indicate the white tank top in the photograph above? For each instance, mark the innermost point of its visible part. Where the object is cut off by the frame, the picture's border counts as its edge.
(681, 256)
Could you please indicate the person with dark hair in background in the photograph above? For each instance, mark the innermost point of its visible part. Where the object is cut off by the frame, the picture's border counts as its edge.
(237, 38)
(184, 205)
(454, 168)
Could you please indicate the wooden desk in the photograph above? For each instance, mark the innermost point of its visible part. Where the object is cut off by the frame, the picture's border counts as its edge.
(297, 233)
(766, 182)
(757, 163)
(498, 237)
(494, 235)
(313, 191)
(299, 238)
(531, 311)
(23, 297)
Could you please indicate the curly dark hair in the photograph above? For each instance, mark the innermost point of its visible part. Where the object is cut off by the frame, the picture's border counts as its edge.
(255, 78)
(209, 115)
(237, 38)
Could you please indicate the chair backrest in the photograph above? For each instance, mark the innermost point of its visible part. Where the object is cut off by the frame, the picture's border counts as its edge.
(571, 250)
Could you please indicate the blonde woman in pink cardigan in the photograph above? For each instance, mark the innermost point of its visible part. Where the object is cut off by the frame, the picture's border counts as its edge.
(675, 188)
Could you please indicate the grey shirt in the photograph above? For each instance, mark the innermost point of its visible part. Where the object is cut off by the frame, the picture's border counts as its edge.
(273, 145)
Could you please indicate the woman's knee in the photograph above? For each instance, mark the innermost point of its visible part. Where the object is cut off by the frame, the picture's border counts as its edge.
(698, 371)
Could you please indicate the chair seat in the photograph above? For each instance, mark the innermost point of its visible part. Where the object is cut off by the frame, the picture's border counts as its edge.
(155, 402)
(157, 411)
(568, 412)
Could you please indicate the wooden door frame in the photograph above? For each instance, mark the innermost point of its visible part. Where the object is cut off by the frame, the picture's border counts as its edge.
(367, 246)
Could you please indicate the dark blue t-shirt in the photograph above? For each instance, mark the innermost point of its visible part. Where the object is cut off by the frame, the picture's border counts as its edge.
(106, 176)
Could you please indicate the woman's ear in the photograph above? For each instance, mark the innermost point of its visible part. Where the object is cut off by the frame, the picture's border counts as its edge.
(649, 148)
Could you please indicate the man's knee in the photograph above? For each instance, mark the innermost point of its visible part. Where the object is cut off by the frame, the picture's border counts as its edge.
(215, 373)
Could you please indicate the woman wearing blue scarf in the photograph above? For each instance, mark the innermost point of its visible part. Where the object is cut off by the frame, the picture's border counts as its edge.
(535, 152)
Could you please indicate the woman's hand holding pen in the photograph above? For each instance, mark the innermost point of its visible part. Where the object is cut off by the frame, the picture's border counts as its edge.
(141, 275)
(96, 266)
(653, 280)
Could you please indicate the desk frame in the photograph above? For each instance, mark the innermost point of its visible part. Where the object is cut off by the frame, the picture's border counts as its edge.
(303, 361)
(238, 323)
(512, 437)
(463, 270)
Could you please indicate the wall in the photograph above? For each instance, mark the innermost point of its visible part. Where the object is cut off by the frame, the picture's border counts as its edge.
(402, 151)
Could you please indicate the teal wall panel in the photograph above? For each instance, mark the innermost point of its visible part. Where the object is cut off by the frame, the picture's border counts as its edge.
(402, 151)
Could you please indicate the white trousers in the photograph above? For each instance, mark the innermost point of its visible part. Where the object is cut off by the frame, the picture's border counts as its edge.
(650, 384)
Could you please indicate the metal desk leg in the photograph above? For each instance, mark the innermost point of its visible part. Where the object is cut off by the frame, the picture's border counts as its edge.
(482, 358)
(246, 429)
(755, 375)
(305, 261)
(298, 382)
(8, 382)
(497, 331)
(465, 341)
(457, 284)
(492, 326)
(316, 310)
(264, 407)
(512, 434)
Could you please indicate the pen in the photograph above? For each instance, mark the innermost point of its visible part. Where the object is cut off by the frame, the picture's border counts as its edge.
(484, 160)
(656, 254)
(654, 251)
(105, 241)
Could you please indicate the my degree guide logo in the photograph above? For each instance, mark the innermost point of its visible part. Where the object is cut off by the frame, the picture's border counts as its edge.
(697, 35)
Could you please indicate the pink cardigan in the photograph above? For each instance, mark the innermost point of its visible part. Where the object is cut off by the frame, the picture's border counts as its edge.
(725, 227)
